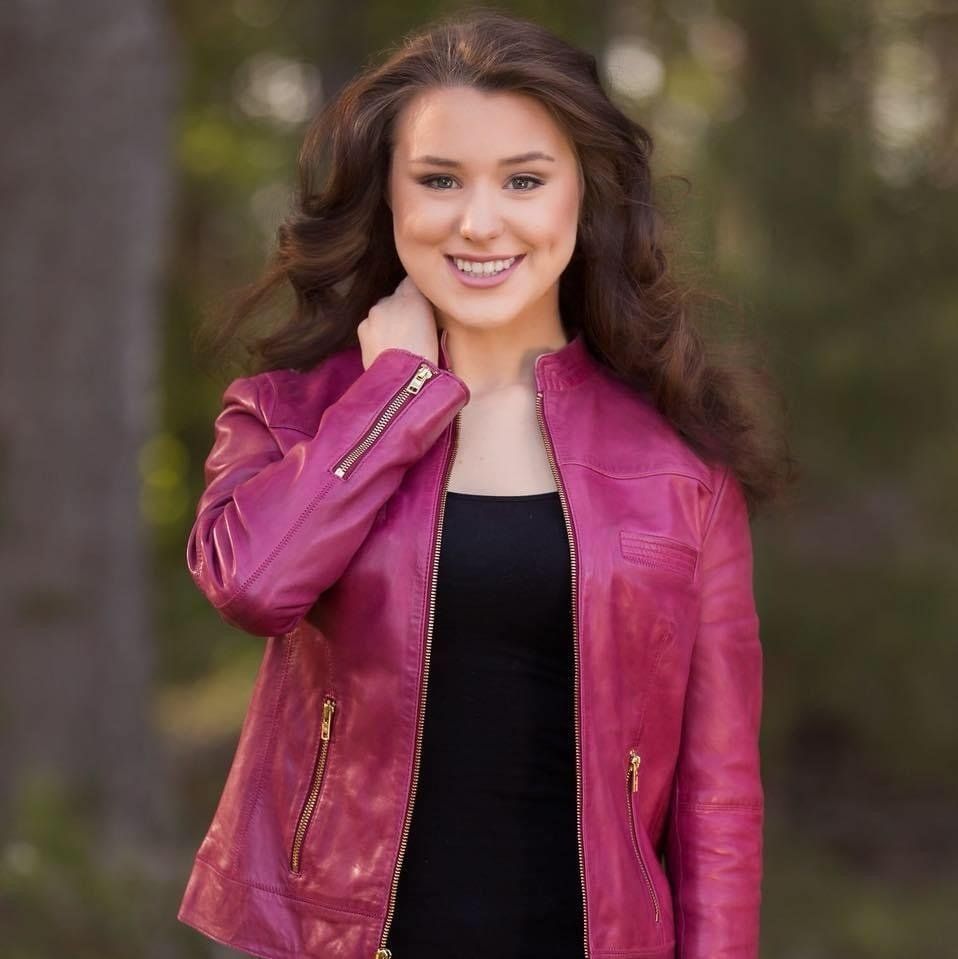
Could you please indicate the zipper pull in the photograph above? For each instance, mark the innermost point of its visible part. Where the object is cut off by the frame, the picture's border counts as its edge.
(415, 384)
(383, 954)
(634, 760)
(328, 706)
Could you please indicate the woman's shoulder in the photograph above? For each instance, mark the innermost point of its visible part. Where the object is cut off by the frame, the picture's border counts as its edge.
(295, 399)
(636, 438)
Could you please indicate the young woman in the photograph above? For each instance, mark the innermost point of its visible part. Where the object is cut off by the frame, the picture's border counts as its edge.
(486, 459)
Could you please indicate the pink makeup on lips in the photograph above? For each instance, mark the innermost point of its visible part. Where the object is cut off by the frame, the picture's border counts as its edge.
(479, 280)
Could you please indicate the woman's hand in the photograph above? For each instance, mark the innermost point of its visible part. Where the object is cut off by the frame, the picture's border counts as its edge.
(403, 319)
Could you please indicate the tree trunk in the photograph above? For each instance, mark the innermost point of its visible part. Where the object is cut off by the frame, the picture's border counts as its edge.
(86, 185)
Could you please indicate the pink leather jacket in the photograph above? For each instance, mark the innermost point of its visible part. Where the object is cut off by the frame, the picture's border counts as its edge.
(319, 528)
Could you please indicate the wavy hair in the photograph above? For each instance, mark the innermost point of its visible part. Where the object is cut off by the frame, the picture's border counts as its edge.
(336, 254)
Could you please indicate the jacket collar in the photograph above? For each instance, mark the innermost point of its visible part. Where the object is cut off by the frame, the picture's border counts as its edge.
(555, 370)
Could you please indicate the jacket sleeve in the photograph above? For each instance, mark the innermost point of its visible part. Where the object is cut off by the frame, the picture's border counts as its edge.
(273, 531)
(714, 836)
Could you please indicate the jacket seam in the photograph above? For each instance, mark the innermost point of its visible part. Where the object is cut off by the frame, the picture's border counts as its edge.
(254, 381)
(272, 405)
(287, 426)
(264, 755)
(647, 683)
(278, 548)
(713, 506)
(677, 903)
(640, 473)
(694, 806)
(273, 890)
(644, 951)
(272, 411)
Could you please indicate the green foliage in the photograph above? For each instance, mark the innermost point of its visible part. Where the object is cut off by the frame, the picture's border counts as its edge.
(820, 901)
(58, 897)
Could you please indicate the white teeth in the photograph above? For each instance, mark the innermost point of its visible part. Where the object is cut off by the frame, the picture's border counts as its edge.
(485, 269)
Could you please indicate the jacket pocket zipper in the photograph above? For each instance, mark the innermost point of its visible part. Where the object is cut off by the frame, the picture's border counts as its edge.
(329, 705)
(393, 407)
(632, 784)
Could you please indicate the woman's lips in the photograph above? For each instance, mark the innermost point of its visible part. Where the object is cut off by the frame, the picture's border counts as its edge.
(494, 280)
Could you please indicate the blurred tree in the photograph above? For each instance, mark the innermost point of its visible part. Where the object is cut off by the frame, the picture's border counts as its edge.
(86, 92)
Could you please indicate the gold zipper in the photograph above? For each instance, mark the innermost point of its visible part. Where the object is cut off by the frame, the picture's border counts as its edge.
(575, 647)
(329, 705)
(392, 408)
(382, 952)
(632, 784)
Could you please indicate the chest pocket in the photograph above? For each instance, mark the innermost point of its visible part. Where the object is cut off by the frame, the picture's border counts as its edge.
(659, 553)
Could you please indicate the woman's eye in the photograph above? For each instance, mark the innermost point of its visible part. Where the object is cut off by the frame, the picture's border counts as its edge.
(531, 179)
(535, 181)
(431, 179)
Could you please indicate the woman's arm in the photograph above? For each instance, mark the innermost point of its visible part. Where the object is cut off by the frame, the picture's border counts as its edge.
(714, 839)
(272, 532)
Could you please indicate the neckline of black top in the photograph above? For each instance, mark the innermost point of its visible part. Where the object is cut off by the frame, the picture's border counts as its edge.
(503, 496)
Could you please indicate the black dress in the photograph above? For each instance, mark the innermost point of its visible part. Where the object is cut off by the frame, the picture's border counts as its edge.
(491, 867)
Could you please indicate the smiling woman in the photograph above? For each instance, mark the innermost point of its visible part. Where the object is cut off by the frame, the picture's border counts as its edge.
(495, 235)
(483, 300)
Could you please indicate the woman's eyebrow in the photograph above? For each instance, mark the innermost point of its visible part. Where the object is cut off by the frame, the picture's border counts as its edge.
(505, 161)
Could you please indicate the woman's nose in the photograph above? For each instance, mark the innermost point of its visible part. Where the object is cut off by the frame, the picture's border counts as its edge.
(480, 217)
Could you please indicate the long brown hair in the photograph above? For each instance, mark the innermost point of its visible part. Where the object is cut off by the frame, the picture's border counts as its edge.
(336, 254)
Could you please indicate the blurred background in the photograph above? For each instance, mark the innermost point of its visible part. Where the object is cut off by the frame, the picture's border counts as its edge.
(148, 156)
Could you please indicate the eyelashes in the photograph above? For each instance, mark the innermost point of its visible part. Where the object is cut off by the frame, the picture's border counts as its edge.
(429, 180)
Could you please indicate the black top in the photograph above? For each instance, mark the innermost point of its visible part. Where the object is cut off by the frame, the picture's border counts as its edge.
(491, 866)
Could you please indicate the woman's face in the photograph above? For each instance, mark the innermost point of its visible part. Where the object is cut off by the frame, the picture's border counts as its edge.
(486, 202)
